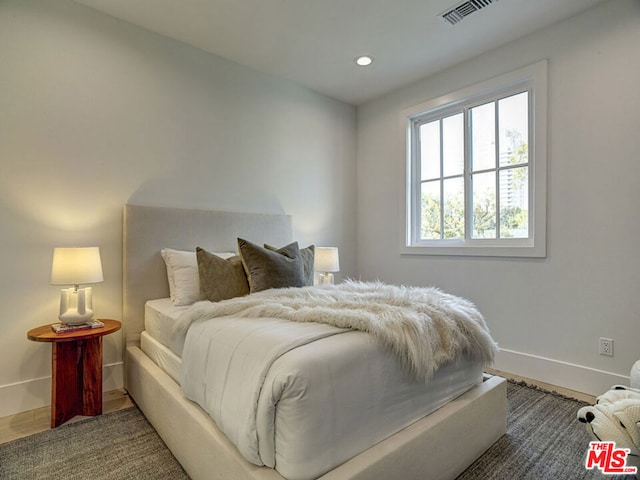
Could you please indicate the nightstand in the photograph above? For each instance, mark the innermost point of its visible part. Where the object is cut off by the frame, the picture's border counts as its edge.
(76, 369)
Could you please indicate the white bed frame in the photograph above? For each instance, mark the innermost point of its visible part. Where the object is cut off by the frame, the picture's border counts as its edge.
(440, 446)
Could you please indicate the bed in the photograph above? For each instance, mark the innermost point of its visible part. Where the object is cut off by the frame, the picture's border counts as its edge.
(441, 444)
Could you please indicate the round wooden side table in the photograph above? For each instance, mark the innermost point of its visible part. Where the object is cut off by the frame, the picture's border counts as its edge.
(76, 369)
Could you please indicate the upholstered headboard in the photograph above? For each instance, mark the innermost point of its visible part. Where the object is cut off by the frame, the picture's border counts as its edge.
(147, 230)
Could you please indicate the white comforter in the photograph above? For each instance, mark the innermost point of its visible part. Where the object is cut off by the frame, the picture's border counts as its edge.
(266, 382)
(239, 353)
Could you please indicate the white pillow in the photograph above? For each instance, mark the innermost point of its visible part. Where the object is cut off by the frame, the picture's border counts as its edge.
(182, 274)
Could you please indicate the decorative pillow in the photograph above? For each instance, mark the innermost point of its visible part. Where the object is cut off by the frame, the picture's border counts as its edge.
(308, 256)
(268, 269)
(220, 278)
(182, 274)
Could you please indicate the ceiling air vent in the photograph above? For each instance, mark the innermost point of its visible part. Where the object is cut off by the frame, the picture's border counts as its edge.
(456, 14)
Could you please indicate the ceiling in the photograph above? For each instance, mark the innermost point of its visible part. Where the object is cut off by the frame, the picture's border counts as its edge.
(314, 42)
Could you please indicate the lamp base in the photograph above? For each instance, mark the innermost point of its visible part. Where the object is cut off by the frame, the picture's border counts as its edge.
(72, 317)
(326, 278)
(76, 305)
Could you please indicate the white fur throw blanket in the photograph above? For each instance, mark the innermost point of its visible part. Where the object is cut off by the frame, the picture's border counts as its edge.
(425, 327)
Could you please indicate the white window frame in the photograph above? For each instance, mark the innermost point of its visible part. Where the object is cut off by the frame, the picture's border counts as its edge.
(532, 78)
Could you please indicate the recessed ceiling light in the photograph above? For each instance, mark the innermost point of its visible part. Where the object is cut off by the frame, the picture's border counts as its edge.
(364, 60)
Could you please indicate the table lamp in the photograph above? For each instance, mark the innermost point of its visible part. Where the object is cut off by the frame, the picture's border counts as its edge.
(326, 261)
(76, 266)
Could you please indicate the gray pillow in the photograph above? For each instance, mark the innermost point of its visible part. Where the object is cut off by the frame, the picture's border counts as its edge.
(267, 269)
(308, 256)
(220, 279)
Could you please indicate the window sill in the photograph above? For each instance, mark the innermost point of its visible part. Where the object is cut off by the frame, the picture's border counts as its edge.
(464, 250)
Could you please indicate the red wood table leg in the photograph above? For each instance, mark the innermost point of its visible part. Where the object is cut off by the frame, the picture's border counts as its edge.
(64, 382)
(91, 365)
(76, 380)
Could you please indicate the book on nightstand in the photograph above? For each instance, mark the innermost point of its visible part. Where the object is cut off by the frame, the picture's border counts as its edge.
(66, 328)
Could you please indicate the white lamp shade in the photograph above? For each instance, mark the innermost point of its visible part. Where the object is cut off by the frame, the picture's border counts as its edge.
(326, 259)
(76, 266)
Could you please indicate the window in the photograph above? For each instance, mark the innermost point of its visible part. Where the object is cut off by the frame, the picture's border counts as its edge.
(476, 169)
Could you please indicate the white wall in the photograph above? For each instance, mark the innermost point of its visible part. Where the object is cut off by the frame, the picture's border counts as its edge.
(546, 314)
(95, 113)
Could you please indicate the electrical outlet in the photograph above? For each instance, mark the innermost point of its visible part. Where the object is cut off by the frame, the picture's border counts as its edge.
(606, 346)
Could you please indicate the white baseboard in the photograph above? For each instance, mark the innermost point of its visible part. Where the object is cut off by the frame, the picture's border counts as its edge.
(36, 393)
(568, 375)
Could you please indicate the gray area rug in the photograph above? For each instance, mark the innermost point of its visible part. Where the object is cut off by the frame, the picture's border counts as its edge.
(543, 442)
(118, 445)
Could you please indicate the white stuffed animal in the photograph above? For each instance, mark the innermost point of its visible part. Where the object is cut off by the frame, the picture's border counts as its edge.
(616, 418)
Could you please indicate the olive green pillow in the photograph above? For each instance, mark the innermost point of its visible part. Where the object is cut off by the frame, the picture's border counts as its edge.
(308, 256)
(220, 279)
(267, 269)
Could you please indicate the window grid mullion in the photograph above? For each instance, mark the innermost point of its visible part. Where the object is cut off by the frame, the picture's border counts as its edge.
(468, 207)
(497, 169)
(417, 171)
(503, 168)
(441, 131)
